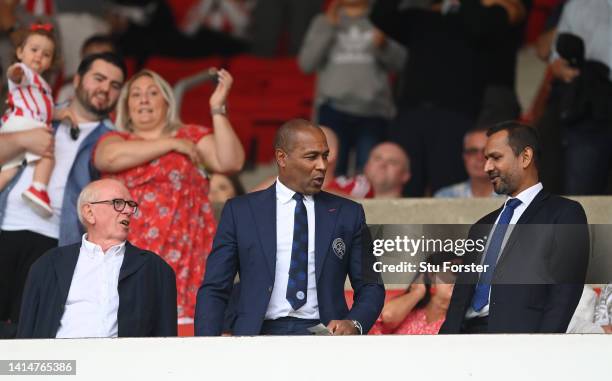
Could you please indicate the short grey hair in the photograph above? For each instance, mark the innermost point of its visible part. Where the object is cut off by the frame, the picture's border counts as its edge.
(87, 195)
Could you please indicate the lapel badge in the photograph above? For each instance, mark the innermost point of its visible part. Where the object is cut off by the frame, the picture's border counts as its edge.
(339, 247)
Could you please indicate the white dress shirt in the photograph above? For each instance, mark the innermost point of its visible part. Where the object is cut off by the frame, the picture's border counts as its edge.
(18, 215)
(526, 198)
(93, 299)
(285, 208)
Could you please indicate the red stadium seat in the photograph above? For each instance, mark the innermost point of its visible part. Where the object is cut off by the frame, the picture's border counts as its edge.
(266, 93)
(269, 91)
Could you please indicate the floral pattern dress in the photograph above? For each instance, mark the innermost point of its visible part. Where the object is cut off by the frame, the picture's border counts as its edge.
(175, 218)
(414, 324)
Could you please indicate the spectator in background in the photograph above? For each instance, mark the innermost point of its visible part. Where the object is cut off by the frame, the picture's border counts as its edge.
(272, 18)
(586, 92)
(147, 27)
(78, 20)
(454, 54)
(353, 60)
(157, 158)
(31, 106)
(421, 310)
(13, 17)
(103, 286)
(98, 43)
(223, 187)
(385, 174)
(498, 29)
(227, 16)
(603, 309)
(544, 111)
(24, 235)
(593, 314)
(478, 183)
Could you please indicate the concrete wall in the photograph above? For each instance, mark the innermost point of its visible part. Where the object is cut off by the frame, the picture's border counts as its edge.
(455, 211)
(462, 211)
(423, 357)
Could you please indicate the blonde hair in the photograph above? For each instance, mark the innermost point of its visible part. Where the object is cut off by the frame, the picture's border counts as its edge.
(123, 121)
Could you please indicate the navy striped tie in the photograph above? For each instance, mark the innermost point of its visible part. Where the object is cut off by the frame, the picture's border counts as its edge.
(298, 269)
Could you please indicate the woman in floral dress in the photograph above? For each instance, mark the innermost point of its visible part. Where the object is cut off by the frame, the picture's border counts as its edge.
(159, 159)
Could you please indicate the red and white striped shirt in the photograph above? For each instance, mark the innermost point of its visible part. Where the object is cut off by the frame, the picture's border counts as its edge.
(39, 7)
(31, 99)
(356, 187)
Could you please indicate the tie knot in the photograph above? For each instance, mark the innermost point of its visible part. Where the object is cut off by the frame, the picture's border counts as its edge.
(298, 197)
(513, 203)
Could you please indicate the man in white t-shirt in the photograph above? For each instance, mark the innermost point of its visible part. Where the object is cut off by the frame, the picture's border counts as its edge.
(25, 236)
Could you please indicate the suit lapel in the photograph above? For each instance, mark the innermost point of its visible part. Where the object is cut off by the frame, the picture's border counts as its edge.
(263, 207)
(132, 261)
(64, 264)
(526, 218)
(326, 213)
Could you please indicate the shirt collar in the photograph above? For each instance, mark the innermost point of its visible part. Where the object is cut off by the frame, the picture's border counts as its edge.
(108, 123)
(91, 248)
(528, 194)
(285, 194)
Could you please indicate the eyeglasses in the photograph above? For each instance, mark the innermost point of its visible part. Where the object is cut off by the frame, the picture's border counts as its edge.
(119, 204)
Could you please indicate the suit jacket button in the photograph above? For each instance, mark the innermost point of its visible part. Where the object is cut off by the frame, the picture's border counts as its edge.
(270, 289)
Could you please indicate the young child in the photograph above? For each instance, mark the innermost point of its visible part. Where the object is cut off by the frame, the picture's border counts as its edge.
(353, 60)
(30, 105)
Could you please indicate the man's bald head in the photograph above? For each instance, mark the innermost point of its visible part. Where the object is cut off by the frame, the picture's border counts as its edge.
(301, 155)
(388, 170)
(286, 136)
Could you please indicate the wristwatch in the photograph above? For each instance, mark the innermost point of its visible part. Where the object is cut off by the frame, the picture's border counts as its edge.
(221, 110)
(357, 325)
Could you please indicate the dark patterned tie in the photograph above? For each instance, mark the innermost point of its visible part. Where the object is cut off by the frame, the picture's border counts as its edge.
(481, 294)
(298, 269)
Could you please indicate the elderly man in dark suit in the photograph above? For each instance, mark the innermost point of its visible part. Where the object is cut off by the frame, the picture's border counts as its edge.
(102, 286)
(293, 246)
(537, 253)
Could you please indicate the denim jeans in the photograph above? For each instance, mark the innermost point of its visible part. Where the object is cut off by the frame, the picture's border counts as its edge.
(361, 133)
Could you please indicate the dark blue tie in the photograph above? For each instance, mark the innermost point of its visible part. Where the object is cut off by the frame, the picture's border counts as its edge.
(481, 294)
(298, 269)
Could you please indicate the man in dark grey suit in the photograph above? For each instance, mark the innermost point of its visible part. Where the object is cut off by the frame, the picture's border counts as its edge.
(537, 250)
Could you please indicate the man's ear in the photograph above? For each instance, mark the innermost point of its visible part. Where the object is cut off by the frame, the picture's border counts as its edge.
(406, 176)
(87, 213)
(281, 158)
(526, 157)
(76, 80)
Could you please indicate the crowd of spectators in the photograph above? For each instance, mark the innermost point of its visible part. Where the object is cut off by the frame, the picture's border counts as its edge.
(405, 88)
